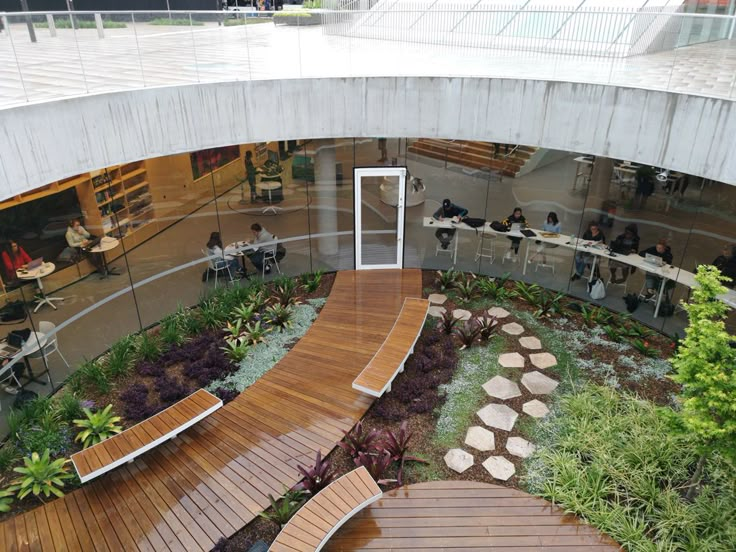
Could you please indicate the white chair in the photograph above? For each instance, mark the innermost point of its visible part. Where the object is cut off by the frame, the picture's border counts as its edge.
(269, 257)
(7, 375)
(213, 266)
(48, 344)
(486, 247)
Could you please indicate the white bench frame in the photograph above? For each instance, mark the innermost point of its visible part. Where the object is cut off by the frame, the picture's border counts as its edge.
(153, 444)
(387, 388)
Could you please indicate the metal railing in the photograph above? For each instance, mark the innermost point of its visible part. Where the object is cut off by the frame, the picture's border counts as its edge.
(91, 52)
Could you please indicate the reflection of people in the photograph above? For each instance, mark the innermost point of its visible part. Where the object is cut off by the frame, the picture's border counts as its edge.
(448, 210)
(14, 257)
(625, 243)
(78, 238)
(250, 174)
(214, 247)
(663, 251)
(726, 263)
(383, 149)
(261, 235)
(644, 186)
(592, 234)
(515, 218)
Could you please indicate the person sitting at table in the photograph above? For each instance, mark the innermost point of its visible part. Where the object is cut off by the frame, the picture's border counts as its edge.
(726, 263)
(261, 235)
(663, 251)
(624, 244)
(515, 218)
(224, 255)
(592, 234)
(14, 257)
(448, 210)
(78, 239)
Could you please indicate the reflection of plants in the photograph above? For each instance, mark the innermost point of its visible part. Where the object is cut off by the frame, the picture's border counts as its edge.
(284, 508)
(447, 322)
(446, 280)
(97, 426)
(40, 475)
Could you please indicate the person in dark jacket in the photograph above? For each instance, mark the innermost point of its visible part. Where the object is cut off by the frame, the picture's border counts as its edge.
(592, 234)
(644, 186)
(662, 250)
(250, 174)
(624, 244)
(726, 263)
(515, 218)
(448, 210)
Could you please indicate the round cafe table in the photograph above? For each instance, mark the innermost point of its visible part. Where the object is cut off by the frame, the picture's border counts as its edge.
(37, 274)
(106, 244)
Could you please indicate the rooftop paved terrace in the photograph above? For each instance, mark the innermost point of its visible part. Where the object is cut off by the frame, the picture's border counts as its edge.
(79, 62)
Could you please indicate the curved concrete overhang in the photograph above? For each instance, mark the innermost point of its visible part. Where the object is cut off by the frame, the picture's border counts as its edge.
(43, 142)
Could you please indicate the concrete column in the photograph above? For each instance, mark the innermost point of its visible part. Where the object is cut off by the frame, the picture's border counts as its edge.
(326, 198)
(600, 182)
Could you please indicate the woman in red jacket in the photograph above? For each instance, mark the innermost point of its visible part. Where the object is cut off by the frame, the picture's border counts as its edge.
(14, 257)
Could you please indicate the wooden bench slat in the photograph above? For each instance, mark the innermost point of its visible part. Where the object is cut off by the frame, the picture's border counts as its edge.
(136, 440)
(310, 528)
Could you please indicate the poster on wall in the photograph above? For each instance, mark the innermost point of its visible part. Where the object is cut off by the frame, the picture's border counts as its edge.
(204, 161)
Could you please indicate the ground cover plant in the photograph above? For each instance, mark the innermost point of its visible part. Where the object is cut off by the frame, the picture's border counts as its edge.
(144, 373)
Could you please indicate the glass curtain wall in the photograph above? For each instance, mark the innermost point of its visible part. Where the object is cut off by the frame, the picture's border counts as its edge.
(163, 211)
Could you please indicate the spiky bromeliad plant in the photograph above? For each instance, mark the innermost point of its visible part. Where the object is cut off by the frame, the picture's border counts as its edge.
(358, 440)
(97, 426)
(397, 444)
(316, 478)
(283, 509)
(40, 475)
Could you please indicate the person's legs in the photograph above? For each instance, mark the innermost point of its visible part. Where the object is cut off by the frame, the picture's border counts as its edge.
(579, 265)
(257, 260)
(652, 285)
(444, 235)
(253, 194)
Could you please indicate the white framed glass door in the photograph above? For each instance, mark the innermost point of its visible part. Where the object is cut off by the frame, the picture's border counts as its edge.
(379, 217)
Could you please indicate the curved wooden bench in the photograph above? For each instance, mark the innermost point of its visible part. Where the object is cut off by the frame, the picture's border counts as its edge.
(313, 525)
(376, 377)
(134, 441)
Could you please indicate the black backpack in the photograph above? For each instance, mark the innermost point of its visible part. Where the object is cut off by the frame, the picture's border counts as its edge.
(499, 226)
(474, 222)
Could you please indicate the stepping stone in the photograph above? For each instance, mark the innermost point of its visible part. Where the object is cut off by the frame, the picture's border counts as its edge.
(498, 312)
(462, 314)
(535, 409)
(513, 328)
(499, 416)
(458, 460)
(538, 384)
(437, 298)
(502, 388)
(499, 468)
(520, 447)
(511, 360)
(437, 312)
(530, 342)
(480, 438)
(543, 360)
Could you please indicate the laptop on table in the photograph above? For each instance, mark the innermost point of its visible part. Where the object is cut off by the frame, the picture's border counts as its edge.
(35, 263)
(653, 260)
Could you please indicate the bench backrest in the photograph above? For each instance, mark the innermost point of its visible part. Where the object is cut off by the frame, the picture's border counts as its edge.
(314, 524)
(136, 440)
(377, 376)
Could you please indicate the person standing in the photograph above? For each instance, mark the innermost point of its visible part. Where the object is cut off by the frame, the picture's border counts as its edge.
(592, 234)
(644, 186)
(448, 210)
(515, 218)
(250, 175)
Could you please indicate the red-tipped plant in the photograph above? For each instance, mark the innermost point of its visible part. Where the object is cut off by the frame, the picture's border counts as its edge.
(447, 322)
(397, 445)
(376, 464)
(357, 440)
(317, 477)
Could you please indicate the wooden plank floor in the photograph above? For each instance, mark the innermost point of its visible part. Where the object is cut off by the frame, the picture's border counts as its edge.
(215, 477)
(465, 515)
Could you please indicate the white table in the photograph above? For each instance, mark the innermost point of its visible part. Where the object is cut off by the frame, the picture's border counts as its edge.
(269, 186)
(35, 342)
(106, 244)
(37, 274)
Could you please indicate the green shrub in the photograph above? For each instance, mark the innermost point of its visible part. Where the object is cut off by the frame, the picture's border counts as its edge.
(94, 376)
(247, 21)
(236, 349)
(64, 23)
(6, 499)
(97, 426)
(311, 282)
(121, 356)
(149, 347)
(40, 475)
(293, 14)
(282, 510)
(176, 22)
(170, 331)
(617, 461)
(68, 406)
(9, 455)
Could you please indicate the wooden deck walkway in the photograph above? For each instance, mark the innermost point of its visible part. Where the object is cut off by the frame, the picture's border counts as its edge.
(465, 515)
(215, 477)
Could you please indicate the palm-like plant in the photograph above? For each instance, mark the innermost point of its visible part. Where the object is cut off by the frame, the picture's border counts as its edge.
(40, 476)
(466, 288)
(446, 280)
(244, 313)
(279, 316)
(97, 426)
(254, 333)
(236, 349)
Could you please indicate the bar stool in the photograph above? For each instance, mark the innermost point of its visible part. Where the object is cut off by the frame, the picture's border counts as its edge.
(486, 247)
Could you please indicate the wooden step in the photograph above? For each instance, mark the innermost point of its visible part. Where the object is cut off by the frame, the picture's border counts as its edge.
(473, 154)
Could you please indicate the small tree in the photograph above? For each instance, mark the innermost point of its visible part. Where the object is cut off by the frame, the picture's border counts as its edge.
(705, 366)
